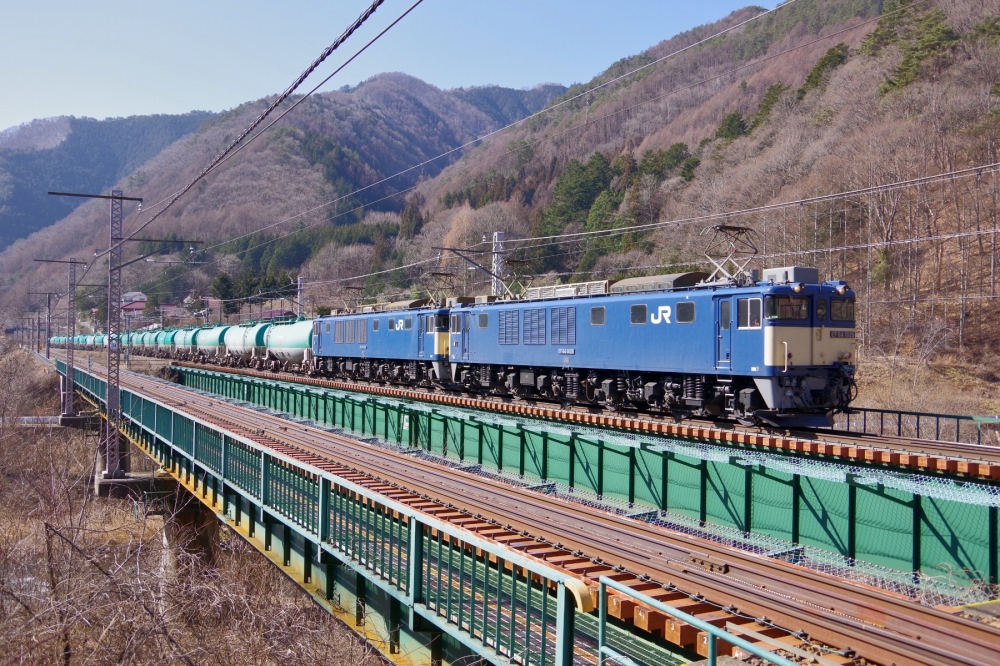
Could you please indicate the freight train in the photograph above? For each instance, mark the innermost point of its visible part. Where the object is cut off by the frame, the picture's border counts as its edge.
(777, 350)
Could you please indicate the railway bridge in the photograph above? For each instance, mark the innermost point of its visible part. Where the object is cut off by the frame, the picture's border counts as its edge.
(442, 533)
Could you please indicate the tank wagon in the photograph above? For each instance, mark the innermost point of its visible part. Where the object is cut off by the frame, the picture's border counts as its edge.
(245, 345)
(210, 343)
(289, 346)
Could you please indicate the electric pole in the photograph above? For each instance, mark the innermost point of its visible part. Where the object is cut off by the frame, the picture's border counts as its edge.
(67, 394)
(48, 325)
(114, 449)
(298, 296)
(499, 265)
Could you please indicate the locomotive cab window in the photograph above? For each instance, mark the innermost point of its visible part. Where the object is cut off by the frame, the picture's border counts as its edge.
(685, 312)
(429, 325)
(456, 324)
(821, 309)
(842, 309)
(597, 316)
(748, 313)
(786, 307)
(638, 314)
(408, 323)
(484, 319)
(327, 327)
(392, 324)
(441, 322)
(725, 318)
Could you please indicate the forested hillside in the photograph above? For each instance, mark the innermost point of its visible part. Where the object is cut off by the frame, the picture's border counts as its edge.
(793, 124)
(75, 155)
(763, 128)
(334, 144)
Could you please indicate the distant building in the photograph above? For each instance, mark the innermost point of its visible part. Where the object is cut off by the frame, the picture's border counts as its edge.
(134, 307)
(134, 297)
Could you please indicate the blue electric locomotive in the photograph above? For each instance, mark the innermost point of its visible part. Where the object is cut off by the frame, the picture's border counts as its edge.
(404, 342)
(778, 350)
(773, 351)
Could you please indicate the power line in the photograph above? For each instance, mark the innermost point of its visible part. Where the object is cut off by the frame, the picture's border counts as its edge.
(548, 109)
(319, 85)
(563, 239)
(270, 108)
(559, 239)
(229, 152)
(502, 129)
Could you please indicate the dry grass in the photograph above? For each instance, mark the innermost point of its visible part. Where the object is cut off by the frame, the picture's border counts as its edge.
(82, 581)
(952, 384)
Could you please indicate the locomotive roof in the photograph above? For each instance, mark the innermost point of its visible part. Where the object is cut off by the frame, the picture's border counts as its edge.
(660, 282)
(668, 282)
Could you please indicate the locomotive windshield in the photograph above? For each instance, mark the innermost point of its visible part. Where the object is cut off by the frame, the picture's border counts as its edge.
(786, 307)
(842, 309)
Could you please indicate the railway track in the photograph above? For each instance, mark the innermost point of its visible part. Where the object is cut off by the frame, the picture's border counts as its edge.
(723, 585)
(927, 456)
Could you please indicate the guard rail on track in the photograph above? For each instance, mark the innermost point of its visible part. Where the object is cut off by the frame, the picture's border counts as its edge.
(945, 427)
(714, 633)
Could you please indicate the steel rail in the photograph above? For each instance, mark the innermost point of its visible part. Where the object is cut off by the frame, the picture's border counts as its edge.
(878, 625)
(974, 460)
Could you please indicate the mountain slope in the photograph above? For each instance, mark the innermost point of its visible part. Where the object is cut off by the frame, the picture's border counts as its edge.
(333, 144)
(832, 96)
(506, 106)
(75, 155)
(818, 97)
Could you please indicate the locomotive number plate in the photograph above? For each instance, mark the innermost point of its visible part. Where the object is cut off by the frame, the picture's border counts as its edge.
(842, 334)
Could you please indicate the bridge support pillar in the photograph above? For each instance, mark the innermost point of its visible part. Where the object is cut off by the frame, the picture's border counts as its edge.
(395, 619)
(328, 565)
(362, 600)
(190, 532)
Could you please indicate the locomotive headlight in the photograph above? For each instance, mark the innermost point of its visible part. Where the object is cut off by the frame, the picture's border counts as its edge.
(797, 288)
(842, 289)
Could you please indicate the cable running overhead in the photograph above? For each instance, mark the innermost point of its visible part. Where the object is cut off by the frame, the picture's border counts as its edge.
(270, 108)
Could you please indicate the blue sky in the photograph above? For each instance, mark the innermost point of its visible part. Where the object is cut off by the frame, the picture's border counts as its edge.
(122, 57)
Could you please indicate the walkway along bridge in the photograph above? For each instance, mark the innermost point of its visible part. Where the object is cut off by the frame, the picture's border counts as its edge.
(428, 580)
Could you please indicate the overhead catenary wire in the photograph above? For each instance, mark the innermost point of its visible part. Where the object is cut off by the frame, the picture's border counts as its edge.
(558, 134)
(570, 129)
(562, 239)
(625, 75)
(548, 109)
(365, 15)
(969, 172)
(489, 134)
